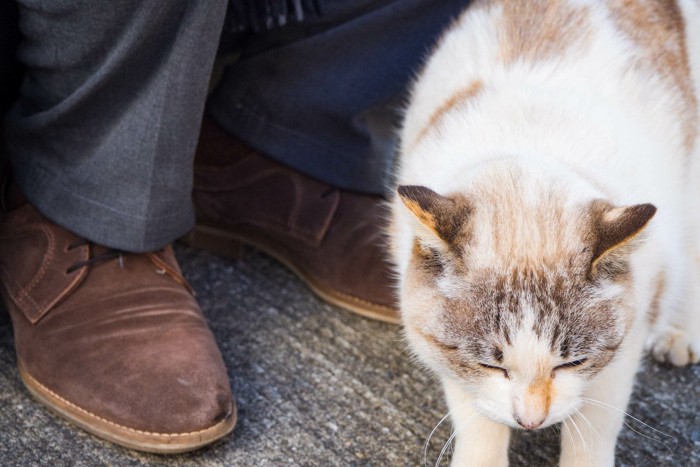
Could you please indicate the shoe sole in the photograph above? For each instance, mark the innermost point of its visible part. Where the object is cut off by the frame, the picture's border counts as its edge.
(160, 443)
(230, 244)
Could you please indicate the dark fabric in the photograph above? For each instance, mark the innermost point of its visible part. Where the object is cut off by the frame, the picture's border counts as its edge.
(103, 135)
(261, 15)
(10, 68)
(325, 97)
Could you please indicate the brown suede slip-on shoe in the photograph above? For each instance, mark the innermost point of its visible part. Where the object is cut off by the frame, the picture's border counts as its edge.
(113, 342)
(332, 239)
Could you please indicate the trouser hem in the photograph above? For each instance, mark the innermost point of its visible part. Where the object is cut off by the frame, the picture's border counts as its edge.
(95, 220)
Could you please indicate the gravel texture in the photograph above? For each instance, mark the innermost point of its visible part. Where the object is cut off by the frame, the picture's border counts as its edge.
(316, 385)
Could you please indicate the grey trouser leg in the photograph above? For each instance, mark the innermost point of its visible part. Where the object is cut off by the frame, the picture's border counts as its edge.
(102, 138)
(324, 97)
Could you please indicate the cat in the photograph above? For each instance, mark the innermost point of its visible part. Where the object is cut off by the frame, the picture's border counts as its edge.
(545, 227)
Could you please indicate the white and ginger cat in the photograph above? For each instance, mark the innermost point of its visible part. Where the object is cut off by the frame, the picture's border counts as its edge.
(546, 223)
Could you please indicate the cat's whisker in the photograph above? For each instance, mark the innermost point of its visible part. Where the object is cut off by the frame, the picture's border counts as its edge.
(590, 425)
(452, 437)
(583, 439)
(571, 437)
(427, 441)
(591, 429)
(651, 438)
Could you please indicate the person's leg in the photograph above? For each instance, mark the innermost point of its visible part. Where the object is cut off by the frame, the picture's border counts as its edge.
(102, 137)
(10, 69)
(101, 142)
(322, 98)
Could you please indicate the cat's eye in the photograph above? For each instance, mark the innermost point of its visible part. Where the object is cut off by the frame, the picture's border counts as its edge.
(497, 368)
(572, 364)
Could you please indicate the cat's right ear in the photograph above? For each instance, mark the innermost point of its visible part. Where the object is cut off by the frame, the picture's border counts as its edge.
(438, 216)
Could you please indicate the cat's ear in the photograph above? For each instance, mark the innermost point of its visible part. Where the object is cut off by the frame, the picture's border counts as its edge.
(440, 216)
(614, 227)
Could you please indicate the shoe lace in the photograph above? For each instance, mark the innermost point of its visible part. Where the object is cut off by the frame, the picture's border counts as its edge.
(107, 255)
(112, 253)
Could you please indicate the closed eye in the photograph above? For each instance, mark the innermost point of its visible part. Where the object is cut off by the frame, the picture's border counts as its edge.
(573, 364)
(498, 368)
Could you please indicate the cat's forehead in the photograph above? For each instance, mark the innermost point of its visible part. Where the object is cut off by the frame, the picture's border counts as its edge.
(544, 221)
(534, 311)
(524, 287)
(498, 303)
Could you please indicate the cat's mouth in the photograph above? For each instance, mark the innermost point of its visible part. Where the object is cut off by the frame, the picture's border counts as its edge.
(530, 425)
(530, 421)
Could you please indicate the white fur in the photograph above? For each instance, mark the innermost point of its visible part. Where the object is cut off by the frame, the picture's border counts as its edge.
(604, 129)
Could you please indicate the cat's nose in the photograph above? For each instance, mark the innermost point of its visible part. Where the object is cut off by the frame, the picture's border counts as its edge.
(528, 424)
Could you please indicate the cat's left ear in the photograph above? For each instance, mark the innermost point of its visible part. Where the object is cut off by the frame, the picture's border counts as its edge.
(614, 227)
(438, 216)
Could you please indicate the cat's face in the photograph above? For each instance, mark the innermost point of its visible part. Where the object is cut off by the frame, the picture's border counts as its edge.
(526, 344)
(525, 336)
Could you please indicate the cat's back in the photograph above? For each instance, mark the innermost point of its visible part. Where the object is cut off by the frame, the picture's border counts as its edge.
(501, 56)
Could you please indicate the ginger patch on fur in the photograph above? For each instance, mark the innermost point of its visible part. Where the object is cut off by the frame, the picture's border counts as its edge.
(535, 30)
(458, 99)
(657, 28)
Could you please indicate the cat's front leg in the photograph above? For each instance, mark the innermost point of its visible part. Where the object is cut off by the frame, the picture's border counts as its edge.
(588, 437)
(479, 441)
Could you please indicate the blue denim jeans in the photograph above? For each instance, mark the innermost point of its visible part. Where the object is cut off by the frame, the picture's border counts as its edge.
(326, 98)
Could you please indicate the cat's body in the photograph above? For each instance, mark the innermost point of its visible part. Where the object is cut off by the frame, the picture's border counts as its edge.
(549, 134)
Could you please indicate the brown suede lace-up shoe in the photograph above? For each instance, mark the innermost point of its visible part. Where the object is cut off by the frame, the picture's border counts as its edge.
(113, 342)
(331, 239)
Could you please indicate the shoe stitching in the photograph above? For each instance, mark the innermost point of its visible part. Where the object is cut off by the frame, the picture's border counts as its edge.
(50, 250)
(122, 427)
(23, 295)
(9, 284)
(23, 298)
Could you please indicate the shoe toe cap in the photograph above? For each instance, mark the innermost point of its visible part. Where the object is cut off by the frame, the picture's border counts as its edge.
(144, 381)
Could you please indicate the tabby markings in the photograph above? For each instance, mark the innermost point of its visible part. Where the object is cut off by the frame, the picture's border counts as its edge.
(657, 28)
(535, 30)
(458, 99)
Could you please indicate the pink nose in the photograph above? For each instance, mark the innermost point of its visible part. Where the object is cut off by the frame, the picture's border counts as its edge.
(529, 425)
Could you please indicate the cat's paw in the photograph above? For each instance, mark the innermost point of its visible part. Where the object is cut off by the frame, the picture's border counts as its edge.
(675, 347)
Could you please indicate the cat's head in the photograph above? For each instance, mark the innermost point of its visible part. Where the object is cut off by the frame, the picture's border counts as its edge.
(520, 298)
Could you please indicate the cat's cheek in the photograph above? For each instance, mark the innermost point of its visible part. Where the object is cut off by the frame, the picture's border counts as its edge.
(432, 357)
(426, 352)
(567, 400)
(494, 399)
